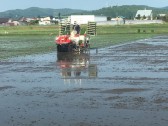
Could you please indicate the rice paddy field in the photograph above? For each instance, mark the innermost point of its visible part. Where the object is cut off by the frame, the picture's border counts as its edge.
(122, 81)
(25, 40)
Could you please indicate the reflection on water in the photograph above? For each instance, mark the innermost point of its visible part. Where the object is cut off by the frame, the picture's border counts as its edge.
(76, 66)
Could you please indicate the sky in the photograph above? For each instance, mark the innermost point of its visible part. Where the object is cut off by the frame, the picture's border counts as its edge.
(76, 4)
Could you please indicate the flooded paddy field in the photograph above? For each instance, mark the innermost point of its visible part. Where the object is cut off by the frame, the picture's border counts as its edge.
(123, 85)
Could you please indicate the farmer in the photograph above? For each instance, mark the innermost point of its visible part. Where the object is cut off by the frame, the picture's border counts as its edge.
(76, 27)
(73, 27)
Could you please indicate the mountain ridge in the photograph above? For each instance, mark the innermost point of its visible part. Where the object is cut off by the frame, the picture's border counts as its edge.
(127, 11)
(37, 11)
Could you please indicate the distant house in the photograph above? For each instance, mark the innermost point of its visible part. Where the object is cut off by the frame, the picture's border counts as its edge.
(84, 19)
(4, 21)
(144, 15)
(23, 19)
(8, 22)
(45, 21)
(161, 15)
(27, 21)
(15, 23)
(119, 20)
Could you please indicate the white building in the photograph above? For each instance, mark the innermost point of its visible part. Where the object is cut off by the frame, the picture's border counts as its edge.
(84, 19)
(162, 15)
(144, 13)
(45, 21)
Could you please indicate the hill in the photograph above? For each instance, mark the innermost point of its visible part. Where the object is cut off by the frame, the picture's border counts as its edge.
(127, 11)
(165, 7)
(36, 12)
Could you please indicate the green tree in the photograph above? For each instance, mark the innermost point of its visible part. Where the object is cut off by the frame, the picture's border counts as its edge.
(108, 18)
(34, 22)
(165, 18)
(59, 15)
(144, 17)
(138, 17)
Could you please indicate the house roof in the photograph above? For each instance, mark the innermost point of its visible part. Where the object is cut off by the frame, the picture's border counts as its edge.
(4, 20)
(145, 13)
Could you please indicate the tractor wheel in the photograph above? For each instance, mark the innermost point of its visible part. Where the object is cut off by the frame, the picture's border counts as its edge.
(70, 46)
(58, 48)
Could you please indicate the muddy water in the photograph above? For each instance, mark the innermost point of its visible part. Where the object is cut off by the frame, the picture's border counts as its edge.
(124, 85)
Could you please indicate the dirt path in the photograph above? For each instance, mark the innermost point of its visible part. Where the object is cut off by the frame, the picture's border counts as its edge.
(123, 85)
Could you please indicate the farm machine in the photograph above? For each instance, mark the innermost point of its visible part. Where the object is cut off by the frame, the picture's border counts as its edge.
(70, 38)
